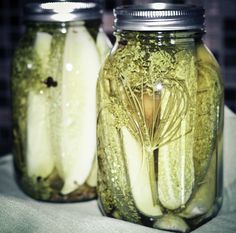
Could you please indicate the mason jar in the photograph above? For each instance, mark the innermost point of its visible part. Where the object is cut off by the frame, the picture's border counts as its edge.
(54, 75)
(160, 120)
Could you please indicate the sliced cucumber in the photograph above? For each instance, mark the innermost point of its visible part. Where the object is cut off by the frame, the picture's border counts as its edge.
(103, 45)
(138, 170)
(43, 47)
(77, 129)
(39, 153)
(55, 72)
(176, 176)
(175, 166)
(176, 172)
(39, 157)
(206, 111)
(114, 187)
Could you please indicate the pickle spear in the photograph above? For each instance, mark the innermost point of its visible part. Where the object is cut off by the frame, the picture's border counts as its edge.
(114, 188)
(103, 45)
(77, 137)
(206, 110)
(138, 170)
(39, 157)
(176, 174)
(175, 164)
(176, 171)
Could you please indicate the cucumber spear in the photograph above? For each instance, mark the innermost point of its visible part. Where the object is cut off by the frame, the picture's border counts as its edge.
(103, 45)
(138, 170)
(39, 157)
(77, 128)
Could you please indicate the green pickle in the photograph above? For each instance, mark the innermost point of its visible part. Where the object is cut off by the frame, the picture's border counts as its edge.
(54, 75)
(159, 102)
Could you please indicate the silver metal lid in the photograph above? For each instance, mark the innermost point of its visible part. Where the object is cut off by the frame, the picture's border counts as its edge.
(62, 11)
(159, 17)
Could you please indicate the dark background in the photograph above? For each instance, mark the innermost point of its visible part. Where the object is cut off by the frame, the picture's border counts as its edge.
(220, 38)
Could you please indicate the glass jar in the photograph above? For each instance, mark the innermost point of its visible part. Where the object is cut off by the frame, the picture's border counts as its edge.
(54, 75)
(160, 120)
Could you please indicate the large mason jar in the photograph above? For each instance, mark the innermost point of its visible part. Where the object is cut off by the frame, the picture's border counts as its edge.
(54, 77)
(160, 120)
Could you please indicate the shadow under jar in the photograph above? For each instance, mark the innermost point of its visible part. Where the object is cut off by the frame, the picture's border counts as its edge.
(160, 120)
(54, 75)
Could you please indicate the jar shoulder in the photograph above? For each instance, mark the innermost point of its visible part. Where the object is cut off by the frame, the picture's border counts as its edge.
(204, 54)
(208, 67)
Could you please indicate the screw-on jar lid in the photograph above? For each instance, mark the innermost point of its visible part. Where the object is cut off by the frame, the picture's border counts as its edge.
(62, 11)
(159, 17)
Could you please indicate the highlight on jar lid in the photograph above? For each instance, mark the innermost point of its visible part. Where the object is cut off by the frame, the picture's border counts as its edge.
(159, 17)
(62, 11)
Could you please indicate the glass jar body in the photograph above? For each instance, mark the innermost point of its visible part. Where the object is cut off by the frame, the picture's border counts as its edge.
(54, 74)
(159, 131)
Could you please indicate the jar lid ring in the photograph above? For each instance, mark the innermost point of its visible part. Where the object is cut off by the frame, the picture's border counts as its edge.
(159, 17)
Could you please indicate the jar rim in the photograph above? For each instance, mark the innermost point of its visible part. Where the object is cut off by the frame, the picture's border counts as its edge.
(61, 11)
(159, 17)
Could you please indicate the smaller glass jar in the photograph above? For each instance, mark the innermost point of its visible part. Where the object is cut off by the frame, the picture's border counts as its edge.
(54, 77)
(160, 120)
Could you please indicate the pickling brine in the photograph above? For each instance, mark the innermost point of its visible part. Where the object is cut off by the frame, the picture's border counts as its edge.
(54, 75)
(159, 123)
